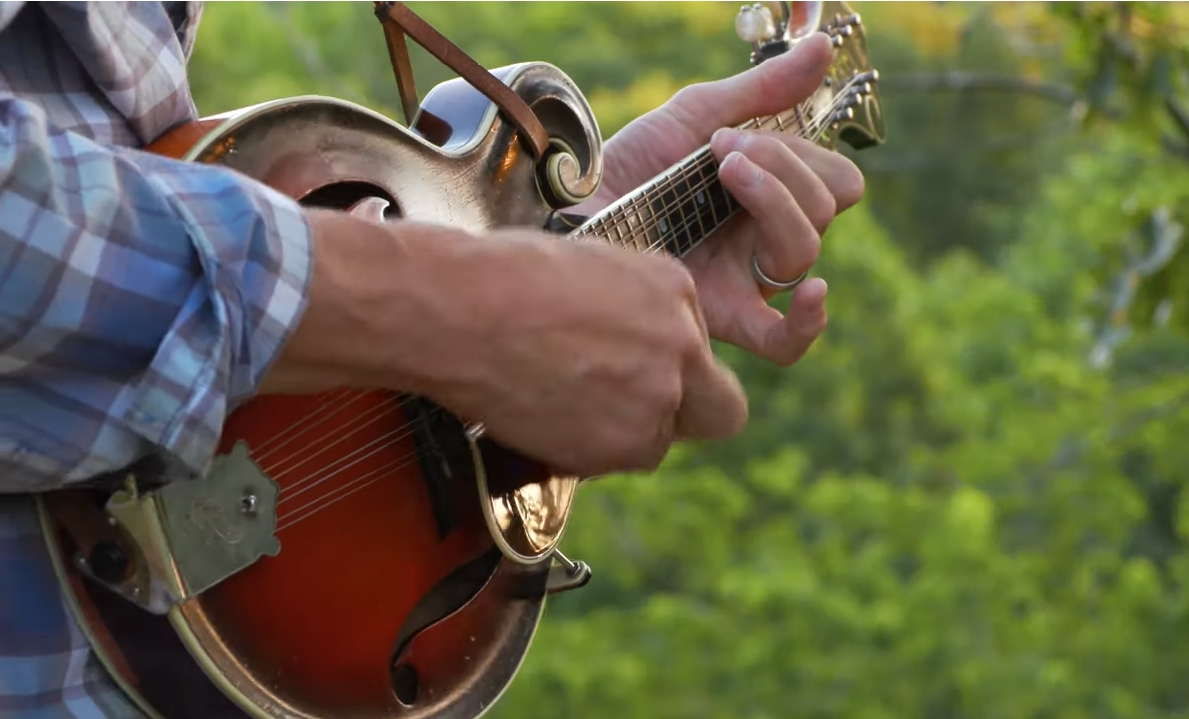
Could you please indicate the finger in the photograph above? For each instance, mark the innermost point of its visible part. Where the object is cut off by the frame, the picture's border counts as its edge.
(790, 243)
(770, 88)
(773, 155)
(784, 339)
(714, 405)
(843, 177)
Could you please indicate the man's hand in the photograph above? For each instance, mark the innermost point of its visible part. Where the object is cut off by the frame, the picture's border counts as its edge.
(789, 188)
(588, 357)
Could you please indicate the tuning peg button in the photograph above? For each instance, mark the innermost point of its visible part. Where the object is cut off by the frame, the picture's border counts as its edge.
(755, 24)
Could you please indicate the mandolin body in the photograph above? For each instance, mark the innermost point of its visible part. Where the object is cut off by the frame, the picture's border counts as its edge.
(342, 558)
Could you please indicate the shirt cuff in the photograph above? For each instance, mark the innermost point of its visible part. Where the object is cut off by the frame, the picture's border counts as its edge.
(255, 250)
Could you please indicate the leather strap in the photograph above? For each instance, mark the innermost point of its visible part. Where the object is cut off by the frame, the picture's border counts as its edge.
(398, 52)
(398, 20)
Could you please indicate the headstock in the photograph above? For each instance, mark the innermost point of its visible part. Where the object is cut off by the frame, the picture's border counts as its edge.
(848, 94)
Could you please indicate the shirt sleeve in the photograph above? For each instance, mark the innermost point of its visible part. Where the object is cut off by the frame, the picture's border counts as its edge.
(141, 299)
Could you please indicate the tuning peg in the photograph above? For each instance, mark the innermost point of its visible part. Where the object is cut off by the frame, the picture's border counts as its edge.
(755, 24)
(852, 20)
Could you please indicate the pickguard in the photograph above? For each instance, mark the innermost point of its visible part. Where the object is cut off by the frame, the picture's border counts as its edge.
(444, 457)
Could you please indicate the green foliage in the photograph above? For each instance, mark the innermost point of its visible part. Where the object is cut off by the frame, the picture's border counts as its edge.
(967, 500)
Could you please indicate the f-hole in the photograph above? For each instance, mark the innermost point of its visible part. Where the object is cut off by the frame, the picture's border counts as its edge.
(346, 194)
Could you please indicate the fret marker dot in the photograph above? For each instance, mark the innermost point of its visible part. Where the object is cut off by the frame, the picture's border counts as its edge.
(664, 225)
(701, 197)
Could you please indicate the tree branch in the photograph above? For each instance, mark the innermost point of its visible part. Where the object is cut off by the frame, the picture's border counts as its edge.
(964, 81)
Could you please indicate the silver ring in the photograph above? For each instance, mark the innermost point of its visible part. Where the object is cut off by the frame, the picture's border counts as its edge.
(770, 283)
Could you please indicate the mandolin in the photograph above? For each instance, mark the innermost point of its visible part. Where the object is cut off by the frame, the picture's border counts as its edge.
(367, 554)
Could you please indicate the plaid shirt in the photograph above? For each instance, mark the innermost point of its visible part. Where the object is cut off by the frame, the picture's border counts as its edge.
(140, 298)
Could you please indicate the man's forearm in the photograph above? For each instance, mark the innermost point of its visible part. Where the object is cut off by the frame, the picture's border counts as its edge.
(398, 306)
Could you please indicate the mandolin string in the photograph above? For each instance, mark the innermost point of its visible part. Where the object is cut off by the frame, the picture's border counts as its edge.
(357, 455)
(339, 491)
(328, 471)
(369, 417)
(356, 485)
(329, 407)
(815, 126)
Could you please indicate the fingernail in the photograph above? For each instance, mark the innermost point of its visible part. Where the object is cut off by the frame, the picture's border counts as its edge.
(749, 172)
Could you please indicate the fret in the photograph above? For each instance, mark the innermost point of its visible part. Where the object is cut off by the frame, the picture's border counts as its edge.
(684, 238)
(646, 229)
(696, 206)
(600, 227)
(673, 214)
(692, 203)
(700, 182)
(636, 220)
(588, 229)
(650, 235)
(670, 223)
(717, 197)
(659, 201)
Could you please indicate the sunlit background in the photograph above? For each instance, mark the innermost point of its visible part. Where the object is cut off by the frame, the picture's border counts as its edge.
(967, 500)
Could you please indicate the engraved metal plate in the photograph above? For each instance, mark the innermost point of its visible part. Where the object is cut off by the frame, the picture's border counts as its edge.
(192, 534)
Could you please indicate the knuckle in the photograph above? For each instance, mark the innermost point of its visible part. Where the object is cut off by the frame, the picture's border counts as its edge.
(678, 277)
(766, 145)
(851, 184)
(690, 342)
(691, 99)
(813, 249)
(793, 353)
(640, 452)
(654, 460)
(789, 355)
(670, 392)
(820, 207)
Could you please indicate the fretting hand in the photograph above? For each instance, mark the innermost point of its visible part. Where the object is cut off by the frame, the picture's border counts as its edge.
(789, 188)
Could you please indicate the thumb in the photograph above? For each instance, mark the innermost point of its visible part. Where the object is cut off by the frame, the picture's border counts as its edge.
(770, 88)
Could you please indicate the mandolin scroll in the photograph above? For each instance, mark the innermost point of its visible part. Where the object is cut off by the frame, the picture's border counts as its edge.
(571, 169)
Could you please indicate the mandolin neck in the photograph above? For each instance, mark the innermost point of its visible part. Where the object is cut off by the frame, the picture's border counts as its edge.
(678, 209)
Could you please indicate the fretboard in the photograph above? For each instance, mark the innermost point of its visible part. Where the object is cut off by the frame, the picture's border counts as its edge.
(680, 208)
